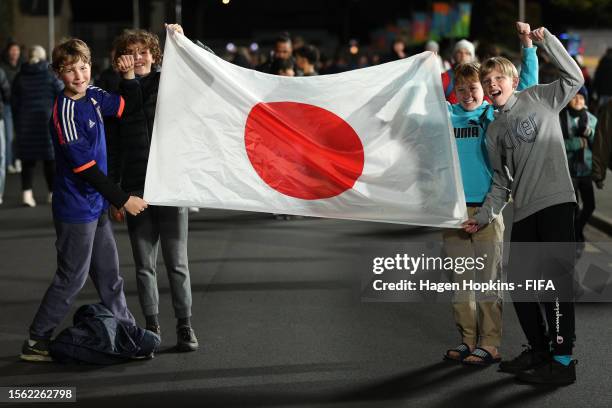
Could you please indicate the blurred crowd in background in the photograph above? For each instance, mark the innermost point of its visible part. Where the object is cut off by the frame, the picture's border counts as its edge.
(28, 86)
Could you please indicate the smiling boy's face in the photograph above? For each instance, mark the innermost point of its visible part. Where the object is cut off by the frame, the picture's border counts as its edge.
(469, 94)
(498, 87)
(76, 78)
(143, 59)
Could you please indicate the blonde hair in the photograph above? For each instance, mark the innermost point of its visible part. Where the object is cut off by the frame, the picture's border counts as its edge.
(467, 73)
(36, 53)
(500, 64)
(69, 52)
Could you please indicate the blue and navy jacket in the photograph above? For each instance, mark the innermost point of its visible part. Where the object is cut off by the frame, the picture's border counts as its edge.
(79, 141)
(470, 128)
(98, 337)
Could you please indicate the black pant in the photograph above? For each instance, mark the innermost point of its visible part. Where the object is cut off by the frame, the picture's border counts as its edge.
(27, 173)
(552, 224)
(584, 192)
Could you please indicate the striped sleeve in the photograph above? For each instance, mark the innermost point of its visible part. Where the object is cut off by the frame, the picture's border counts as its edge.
(72, 138)
(69, 128)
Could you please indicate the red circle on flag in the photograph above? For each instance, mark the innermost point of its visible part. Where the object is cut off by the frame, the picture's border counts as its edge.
(302, 150)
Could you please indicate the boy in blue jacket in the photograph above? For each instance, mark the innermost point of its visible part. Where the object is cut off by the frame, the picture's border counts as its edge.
(479, 315)
(81, 193)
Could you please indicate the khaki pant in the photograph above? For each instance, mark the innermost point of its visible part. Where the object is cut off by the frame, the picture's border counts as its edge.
(478, 315)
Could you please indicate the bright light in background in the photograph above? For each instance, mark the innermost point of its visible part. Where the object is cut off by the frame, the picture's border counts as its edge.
(353, 47)
(231, 47)
(254, 46)
(226, 2)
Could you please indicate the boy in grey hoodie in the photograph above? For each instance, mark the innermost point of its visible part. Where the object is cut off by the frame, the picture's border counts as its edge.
(527, 152)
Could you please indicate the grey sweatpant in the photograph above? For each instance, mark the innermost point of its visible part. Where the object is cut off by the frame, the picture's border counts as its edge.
(82, 249)
(166, 226)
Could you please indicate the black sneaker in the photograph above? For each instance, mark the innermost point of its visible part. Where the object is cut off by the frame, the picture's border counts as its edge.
(553, 373)
(35, 350)
(528, 359)
(186, 339)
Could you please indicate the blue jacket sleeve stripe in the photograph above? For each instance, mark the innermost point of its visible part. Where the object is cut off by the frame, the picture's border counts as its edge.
(68, 121)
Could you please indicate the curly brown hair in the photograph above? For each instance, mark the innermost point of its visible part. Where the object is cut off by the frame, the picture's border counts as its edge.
(129, 37)
(69, 52)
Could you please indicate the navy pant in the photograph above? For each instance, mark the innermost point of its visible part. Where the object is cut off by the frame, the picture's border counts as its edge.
(82, 249)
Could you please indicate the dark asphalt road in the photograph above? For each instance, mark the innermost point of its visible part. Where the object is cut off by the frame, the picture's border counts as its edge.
(278, 312)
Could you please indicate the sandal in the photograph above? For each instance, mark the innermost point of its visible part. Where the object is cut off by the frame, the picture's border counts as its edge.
(486, 358)
(463, 350)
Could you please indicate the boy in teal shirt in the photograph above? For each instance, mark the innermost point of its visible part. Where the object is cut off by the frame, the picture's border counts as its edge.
(479, 319)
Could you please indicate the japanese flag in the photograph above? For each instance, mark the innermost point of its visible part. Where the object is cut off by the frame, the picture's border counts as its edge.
(372, 144)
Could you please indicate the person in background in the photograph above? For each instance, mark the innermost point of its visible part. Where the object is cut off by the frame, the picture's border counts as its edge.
(578, 126)
(11, 64)
(297, 41)
(5, 94)
(588, 81)
(242, 58)
(306, 59)
(398, 51)
(283, 50)
(363, 61)
(463, 53)
(336, 64)
(602, 145)
(33, 93)
(434, 47)
(282, 67)
(602, 82)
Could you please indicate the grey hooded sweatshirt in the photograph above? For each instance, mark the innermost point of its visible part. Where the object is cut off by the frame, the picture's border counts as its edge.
(525, 144)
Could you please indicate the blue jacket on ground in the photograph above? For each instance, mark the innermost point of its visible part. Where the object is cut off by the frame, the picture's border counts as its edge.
(470, 129)
(97, 337)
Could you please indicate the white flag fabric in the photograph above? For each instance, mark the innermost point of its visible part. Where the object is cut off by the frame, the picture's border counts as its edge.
(372, 144)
